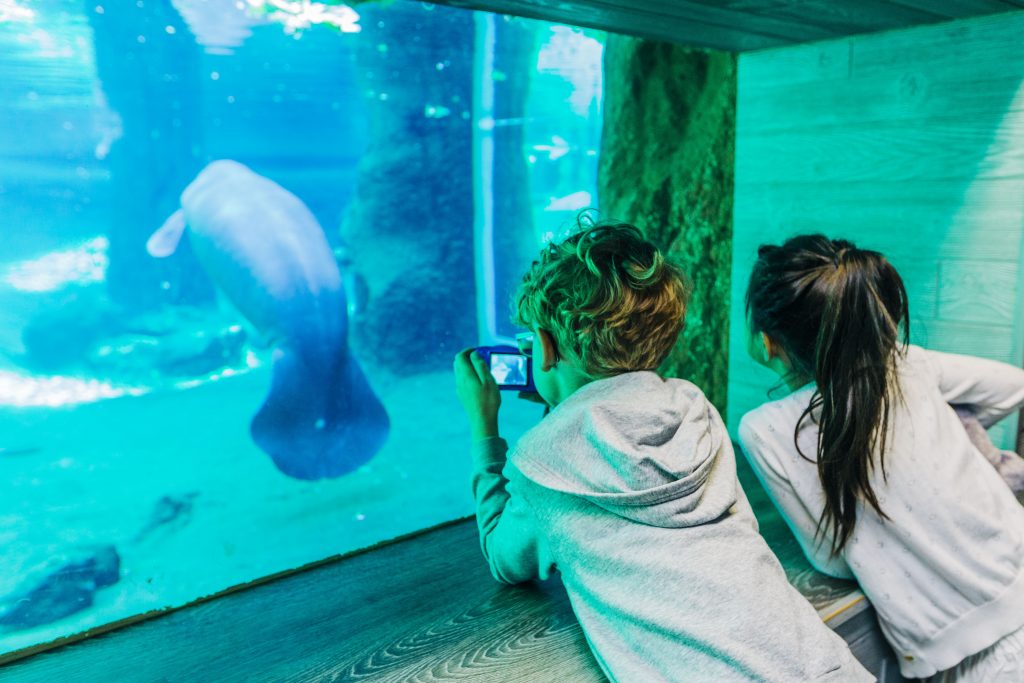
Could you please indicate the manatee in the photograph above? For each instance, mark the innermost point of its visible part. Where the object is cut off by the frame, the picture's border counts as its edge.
(266, 252)
(64, 590)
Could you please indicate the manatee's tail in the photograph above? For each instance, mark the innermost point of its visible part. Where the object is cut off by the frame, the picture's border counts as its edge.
(319, 422)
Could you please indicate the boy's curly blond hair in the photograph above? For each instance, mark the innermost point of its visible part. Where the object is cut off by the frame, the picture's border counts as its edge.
(608, 296)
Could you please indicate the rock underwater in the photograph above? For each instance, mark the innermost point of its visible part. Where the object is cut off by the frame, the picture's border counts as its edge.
(61, 591)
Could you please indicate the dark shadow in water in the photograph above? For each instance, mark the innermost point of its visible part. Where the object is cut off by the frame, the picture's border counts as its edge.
(149, 66)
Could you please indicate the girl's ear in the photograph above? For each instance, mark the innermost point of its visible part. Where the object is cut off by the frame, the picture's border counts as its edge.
(548, 349)
(771, 349)
(758, 347)
(776, 357)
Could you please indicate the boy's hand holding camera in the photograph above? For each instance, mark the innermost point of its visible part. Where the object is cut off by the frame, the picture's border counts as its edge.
(478, 393)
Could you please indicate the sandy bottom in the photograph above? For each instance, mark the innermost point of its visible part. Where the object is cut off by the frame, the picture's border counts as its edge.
(94, 474)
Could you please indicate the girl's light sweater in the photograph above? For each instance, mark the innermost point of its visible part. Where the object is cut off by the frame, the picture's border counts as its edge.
(945, 572)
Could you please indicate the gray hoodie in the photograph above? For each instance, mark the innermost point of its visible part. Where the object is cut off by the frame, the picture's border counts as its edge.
(628, 488)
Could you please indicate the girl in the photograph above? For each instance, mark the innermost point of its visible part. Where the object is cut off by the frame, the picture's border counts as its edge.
(871, 467)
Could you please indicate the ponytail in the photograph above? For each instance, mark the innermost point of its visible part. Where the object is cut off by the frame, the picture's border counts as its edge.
(841, 315)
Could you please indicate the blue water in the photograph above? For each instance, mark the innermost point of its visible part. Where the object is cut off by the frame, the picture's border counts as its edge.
(435, 149)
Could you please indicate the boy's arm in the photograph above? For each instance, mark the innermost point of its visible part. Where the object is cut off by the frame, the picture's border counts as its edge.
(798, 517)
(509, 537)
(992, 389)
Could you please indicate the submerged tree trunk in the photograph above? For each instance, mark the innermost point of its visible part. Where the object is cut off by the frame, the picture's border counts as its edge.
(148, 65)
(410, 227)
(667, 166)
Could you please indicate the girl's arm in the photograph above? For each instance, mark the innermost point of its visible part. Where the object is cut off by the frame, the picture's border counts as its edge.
(511, 543)
(993, 389)
(762, 454)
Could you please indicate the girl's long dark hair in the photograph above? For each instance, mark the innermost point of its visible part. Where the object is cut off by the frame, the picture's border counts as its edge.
(840, 315)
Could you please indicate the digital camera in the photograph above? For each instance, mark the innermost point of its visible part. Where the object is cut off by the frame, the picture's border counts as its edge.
(511, 369)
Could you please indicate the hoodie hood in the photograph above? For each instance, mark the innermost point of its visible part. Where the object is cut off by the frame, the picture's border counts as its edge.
(649, 449)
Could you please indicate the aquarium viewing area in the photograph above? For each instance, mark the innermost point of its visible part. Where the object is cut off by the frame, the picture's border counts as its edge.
(243, 240)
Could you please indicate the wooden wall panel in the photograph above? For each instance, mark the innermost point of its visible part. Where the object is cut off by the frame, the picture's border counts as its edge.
(977, 292)
(910, 142)
(885, 151)
(980, 222)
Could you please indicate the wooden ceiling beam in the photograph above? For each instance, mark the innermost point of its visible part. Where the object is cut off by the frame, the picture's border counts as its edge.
(742, 25)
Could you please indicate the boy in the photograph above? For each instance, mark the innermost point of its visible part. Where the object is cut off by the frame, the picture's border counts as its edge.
(628, 487)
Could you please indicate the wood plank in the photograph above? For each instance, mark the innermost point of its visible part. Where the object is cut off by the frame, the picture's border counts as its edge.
(903, 95)
(974, 339)
(805, 20)
(978, 220)
(967, 46)
(623, 18)
(978, 292)
(736, 25)
(933, 148)
(959, 9)
(768, 69)
(799, 29)
(856, 17)
(980, 44)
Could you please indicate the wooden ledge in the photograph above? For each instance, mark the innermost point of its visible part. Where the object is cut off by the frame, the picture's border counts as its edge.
(424, 608)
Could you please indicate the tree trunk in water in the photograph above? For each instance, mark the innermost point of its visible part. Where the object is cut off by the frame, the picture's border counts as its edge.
(151, 79)
(410, 226)
(667, 166)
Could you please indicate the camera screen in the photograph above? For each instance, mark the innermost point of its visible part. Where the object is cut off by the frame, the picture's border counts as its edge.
(509, 369)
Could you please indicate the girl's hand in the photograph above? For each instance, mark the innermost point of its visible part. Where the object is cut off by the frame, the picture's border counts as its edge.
(478, 393)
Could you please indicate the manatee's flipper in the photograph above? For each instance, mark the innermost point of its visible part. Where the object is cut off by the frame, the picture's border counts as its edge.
(164, 241)
(319, 422)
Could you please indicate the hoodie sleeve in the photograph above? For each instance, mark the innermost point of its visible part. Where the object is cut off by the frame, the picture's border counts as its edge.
(509, 535)
(760, 451)
(992, 389)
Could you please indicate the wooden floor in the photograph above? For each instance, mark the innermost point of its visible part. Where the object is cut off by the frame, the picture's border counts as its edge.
(421, 609)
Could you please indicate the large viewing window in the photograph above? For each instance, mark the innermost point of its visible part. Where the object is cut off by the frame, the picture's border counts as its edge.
(202, 389)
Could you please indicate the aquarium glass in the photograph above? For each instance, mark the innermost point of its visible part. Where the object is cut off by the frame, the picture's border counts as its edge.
(202, 387)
